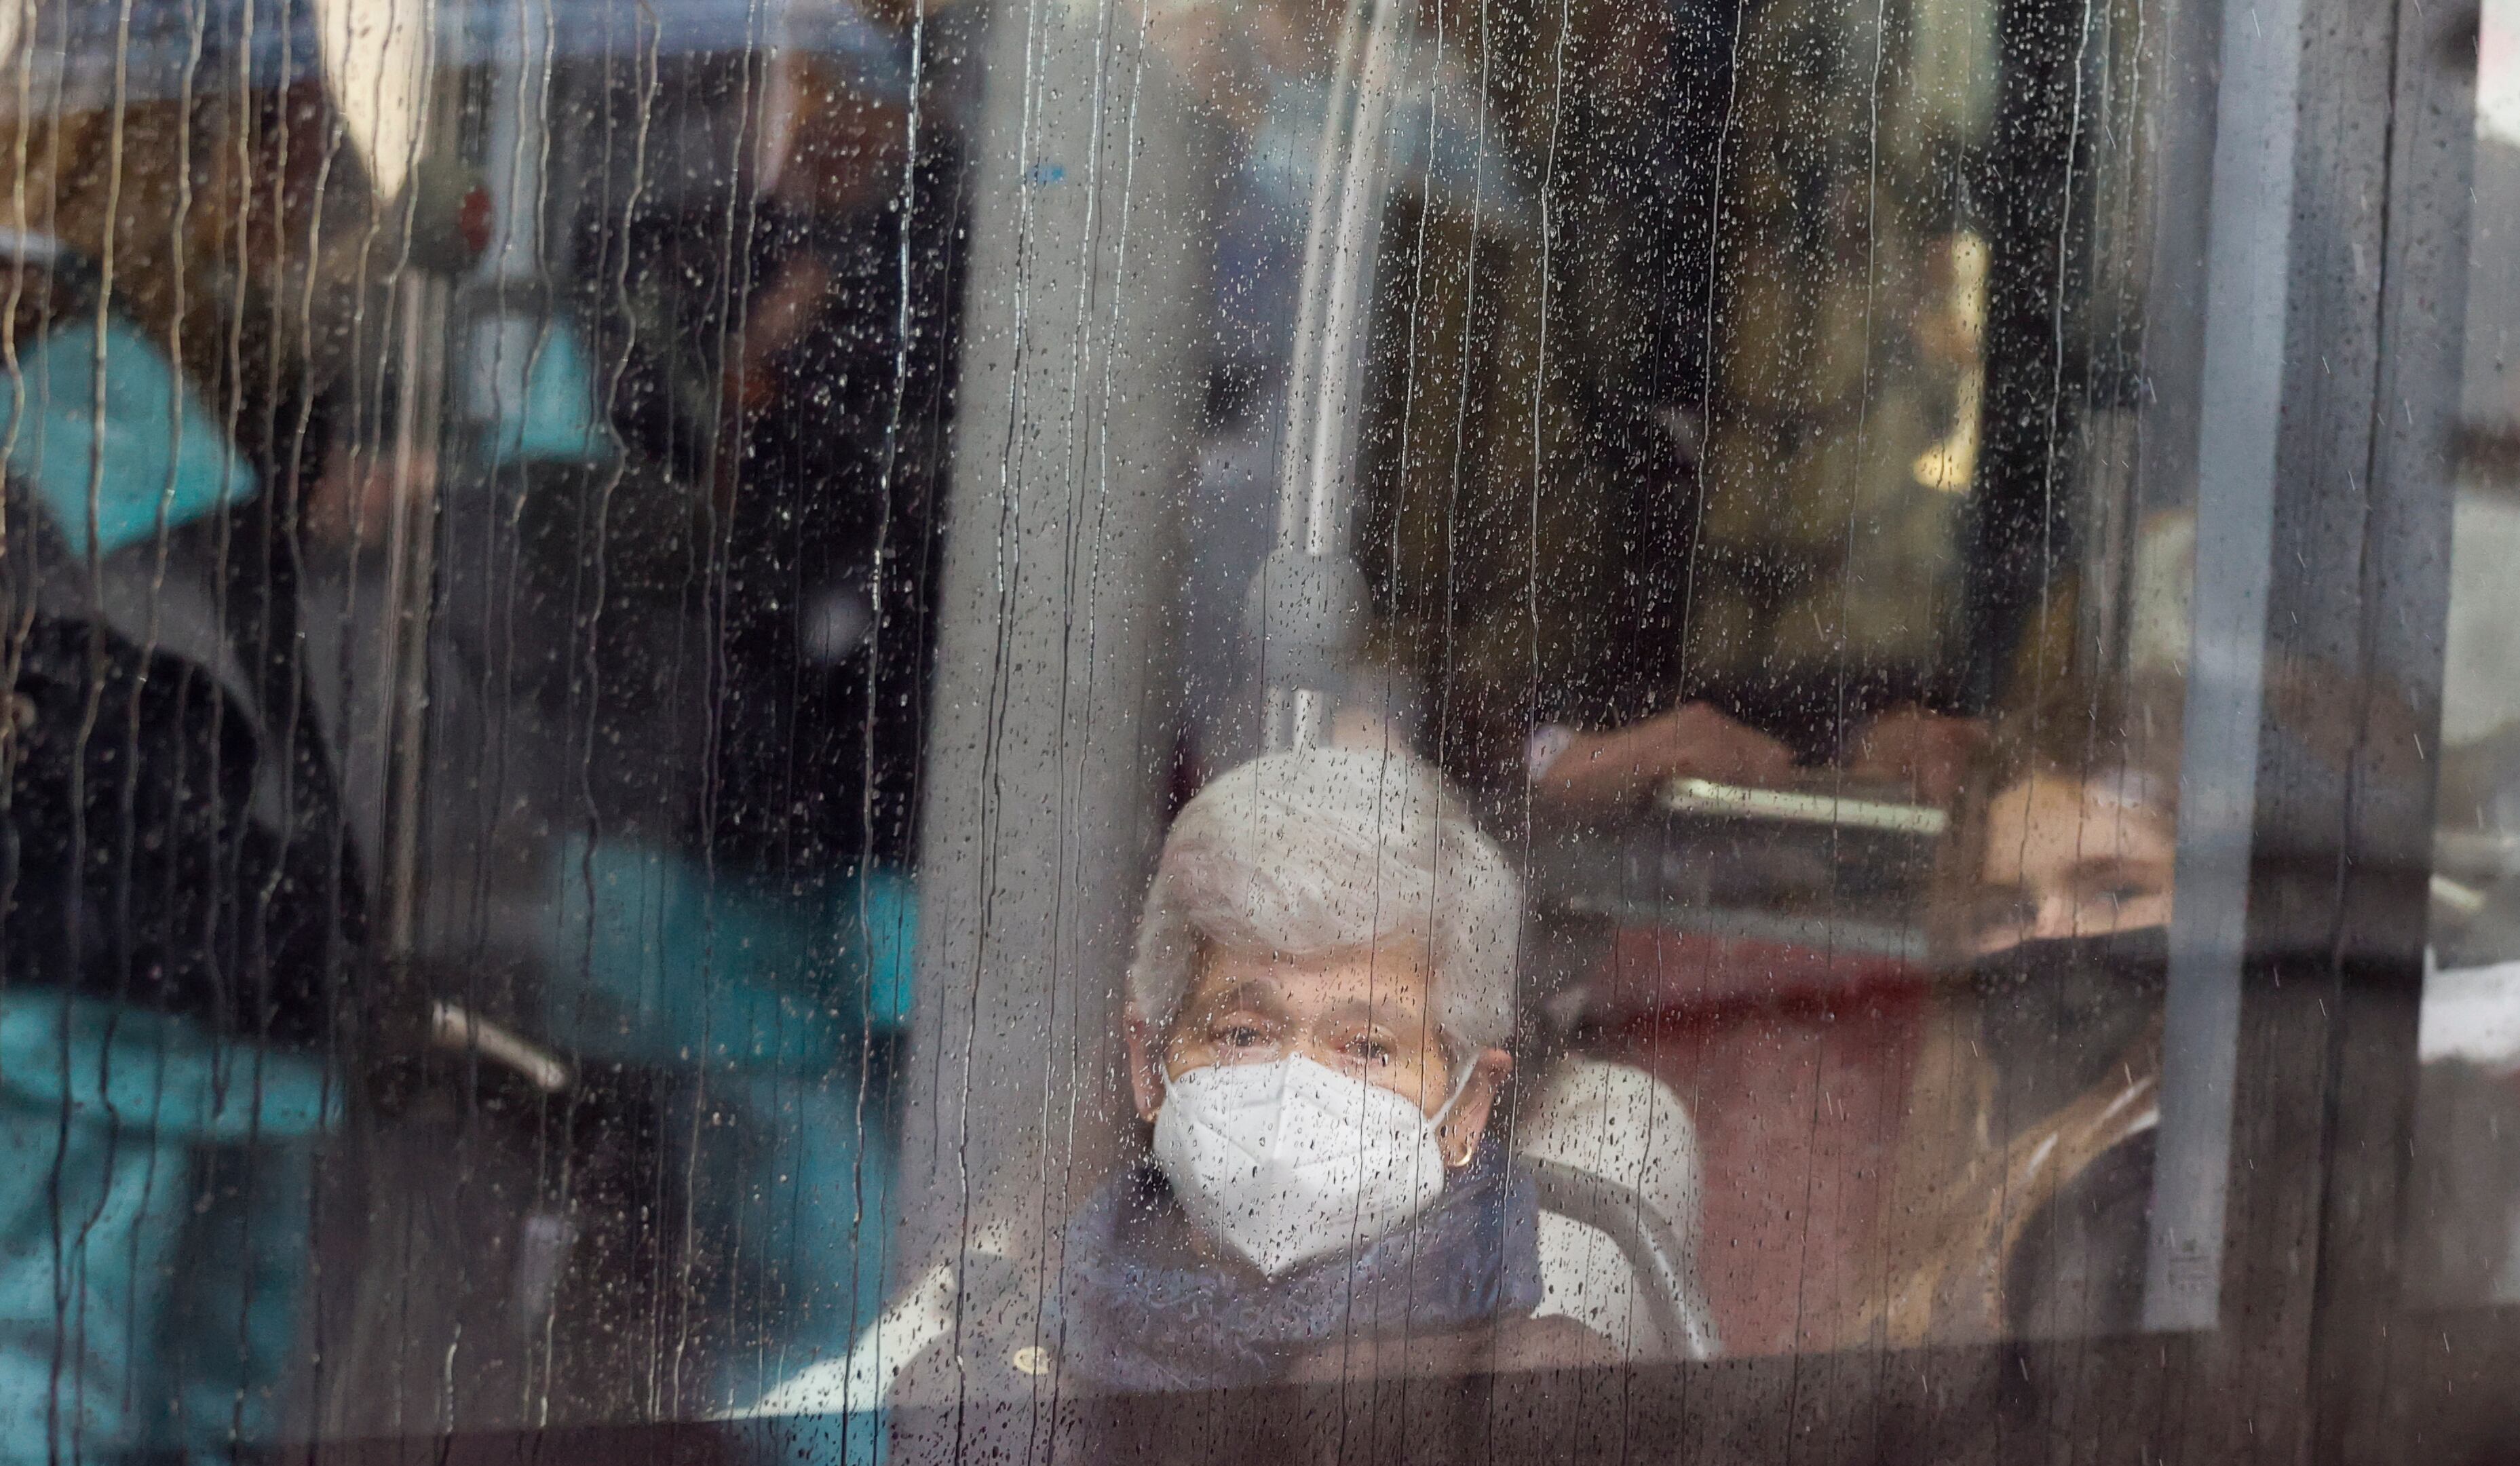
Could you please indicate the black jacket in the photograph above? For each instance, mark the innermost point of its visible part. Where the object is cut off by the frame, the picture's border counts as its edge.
(169, 842)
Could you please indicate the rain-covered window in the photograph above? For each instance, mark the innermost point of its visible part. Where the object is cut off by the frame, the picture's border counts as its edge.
(887, 730)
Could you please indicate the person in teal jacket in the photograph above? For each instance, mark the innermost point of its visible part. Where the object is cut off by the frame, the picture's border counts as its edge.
(772, 995)
(156, 1134)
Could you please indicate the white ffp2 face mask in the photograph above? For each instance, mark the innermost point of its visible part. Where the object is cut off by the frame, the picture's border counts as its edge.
(1292, 1161)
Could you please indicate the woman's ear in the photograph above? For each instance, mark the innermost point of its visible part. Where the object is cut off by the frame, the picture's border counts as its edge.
(1145, 1061)
(1459, 1135)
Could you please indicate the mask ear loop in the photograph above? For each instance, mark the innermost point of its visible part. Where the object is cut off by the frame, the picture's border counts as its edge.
(1435, 1122)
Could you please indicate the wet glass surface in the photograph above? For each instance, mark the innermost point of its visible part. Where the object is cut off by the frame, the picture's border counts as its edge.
(927, 729)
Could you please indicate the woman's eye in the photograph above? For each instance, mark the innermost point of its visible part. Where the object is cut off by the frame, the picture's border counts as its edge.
(1241, 1036)
(1368, 1050)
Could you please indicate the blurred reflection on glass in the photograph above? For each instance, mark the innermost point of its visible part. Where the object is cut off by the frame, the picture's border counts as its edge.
(684, 644)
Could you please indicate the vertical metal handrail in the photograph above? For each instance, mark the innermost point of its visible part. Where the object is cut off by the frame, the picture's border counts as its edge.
(1308, 598)
(2239, 409)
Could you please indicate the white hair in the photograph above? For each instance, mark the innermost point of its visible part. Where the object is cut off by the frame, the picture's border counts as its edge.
(1325, 849)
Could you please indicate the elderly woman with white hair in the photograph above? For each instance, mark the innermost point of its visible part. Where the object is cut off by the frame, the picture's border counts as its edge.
(1319, 1006)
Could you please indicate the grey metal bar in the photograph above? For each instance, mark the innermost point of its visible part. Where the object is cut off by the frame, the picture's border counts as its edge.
(420, 313)
(1309, 595)
(1316, 470)
(2239, 398)
(1047, 754)
(1663, 1258)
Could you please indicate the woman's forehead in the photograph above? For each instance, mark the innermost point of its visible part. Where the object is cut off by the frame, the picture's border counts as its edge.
(1390, 977)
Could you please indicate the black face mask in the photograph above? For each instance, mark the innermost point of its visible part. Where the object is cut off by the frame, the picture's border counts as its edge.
(2107, 962)
(2058, 1013)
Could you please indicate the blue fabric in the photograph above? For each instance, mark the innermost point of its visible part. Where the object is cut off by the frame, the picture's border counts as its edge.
(158, 458)
(807, 1191)
(154, 1203)
(770, 997)
(656, 960)
(543, 400)
(1144, 1309)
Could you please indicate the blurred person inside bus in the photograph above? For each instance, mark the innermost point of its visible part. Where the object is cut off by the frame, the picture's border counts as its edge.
(1892, 731)
(188, 915)
(1620, 710)
(2030, 1133)
(799, 396)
